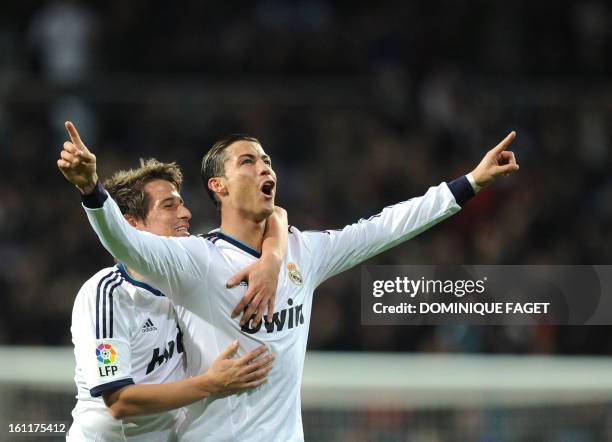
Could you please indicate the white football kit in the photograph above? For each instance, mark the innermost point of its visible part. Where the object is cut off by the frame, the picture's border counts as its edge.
(193, 271)
(124, 332)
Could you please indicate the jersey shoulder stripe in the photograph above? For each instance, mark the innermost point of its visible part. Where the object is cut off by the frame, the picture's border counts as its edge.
(99, 290)
(103, 290)
(110, 304)
(104, 305)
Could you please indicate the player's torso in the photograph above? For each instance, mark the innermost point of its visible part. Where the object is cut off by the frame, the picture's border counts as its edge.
(150, 325)
(210, 328)
(157, 341)
(212, 303)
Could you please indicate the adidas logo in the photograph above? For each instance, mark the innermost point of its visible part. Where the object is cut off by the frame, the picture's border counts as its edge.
(148, 326)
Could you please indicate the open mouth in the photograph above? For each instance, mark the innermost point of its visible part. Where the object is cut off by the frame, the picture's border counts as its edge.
(267, 188)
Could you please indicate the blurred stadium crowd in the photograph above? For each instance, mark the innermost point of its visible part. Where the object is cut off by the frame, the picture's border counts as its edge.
(359, 106)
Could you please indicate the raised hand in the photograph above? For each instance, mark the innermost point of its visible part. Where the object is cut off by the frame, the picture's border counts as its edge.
(262, 276)
(228, 375)
(77, 163)
(262, 279)
(498, 161)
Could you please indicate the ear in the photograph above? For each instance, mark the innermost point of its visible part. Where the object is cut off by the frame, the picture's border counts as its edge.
(217, 185)
(130, 219)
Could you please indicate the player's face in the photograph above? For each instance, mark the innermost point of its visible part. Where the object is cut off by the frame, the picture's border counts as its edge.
(167, 214)
(250, 180)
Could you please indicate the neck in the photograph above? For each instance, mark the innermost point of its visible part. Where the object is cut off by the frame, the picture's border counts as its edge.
(244, 229)
(134, 274)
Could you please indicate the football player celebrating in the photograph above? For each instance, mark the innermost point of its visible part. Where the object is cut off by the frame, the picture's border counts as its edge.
(193, 271)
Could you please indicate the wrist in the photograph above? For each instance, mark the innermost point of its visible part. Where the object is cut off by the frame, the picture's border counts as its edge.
(206, 385)
(480, 180)
(272, 257)
(89, 187)
(475, 186)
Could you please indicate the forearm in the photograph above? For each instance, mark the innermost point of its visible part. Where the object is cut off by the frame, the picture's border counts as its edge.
(395, 224)
(400, 222)
(160, 260)
(144, 399)
(275, 237)
(116, 235)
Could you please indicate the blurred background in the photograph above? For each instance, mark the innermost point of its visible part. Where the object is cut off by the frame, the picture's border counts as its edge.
(360, 105)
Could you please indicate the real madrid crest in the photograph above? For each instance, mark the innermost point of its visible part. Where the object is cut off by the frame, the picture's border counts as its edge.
(294, 274)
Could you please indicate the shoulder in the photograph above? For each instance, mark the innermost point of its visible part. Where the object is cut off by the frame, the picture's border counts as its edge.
(308, 235)
(94, 295)
(209, 238)
(309, 240)
(213, 240)
(206, 237)
(195, 243)
(105, 298)
(103, 275)
(101, 282)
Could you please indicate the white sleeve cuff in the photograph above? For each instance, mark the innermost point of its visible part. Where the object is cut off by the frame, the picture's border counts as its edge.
(472, 181)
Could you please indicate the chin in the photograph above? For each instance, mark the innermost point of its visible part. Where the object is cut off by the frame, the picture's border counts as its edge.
(265, 213)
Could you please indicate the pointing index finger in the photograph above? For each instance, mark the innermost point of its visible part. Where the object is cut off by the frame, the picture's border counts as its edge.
(505, 142)
(74, 135)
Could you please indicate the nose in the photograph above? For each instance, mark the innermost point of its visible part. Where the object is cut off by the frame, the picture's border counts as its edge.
(184, 213)
(264, 169)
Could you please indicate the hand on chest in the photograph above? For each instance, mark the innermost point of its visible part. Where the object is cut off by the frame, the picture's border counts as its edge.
(289, 299)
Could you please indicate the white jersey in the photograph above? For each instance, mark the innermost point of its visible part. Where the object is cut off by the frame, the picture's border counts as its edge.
(194, 271)
(124, 332)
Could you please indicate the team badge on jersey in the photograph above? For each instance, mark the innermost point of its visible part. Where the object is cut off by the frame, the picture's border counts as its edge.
(294, 274)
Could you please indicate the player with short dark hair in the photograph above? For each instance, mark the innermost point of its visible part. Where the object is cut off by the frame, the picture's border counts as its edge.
(213, 163)
(130, 355)
(246, 192)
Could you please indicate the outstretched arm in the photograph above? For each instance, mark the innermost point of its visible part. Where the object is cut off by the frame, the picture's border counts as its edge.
(262, 276)
(168, 263)
(225, 376)
(339, 250)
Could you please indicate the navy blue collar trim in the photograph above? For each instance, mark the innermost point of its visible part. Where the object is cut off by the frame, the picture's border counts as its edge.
(136, 282)
(237, 243)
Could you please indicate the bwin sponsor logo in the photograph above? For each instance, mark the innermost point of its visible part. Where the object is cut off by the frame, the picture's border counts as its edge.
(290, 317)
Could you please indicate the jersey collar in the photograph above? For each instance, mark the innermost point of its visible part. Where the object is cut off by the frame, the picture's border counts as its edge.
(235, 242)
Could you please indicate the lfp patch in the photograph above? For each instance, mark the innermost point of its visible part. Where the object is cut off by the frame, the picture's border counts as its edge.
(106, 354)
